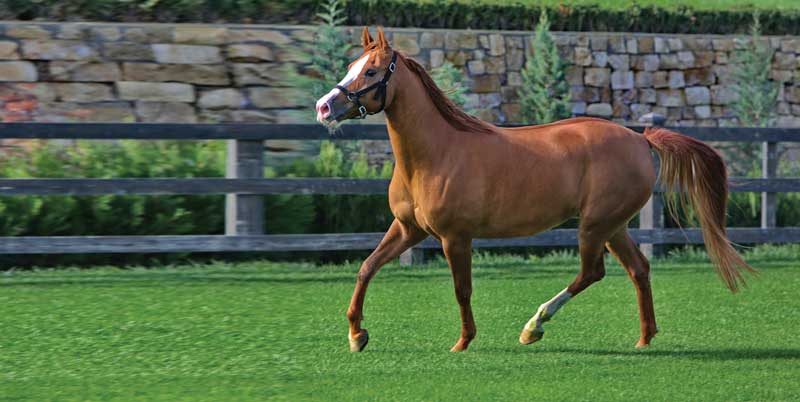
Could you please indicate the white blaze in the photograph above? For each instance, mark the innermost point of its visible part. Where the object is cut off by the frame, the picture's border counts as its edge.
(352, 74)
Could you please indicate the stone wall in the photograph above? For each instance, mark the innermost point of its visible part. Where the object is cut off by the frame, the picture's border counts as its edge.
(220, 73)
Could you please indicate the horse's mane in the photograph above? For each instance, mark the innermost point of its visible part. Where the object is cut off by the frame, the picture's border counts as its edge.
(453, 114)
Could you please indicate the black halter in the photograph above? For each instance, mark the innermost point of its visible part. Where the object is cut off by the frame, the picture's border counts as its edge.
(381, 90)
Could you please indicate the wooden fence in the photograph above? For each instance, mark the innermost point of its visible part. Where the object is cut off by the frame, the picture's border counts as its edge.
(244, 185)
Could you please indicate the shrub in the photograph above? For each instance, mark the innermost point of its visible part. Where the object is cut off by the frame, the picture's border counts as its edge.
(756, 93)
(544, 95)
(451, 81)
(566, 16)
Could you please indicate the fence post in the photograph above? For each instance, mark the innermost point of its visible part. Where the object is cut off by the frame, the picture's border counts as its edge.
(652, 214)
(244, 214)
(769, 170)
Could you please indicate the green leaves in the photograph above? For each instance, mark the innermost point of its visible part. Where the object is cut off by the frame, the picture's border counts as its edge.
(757, 94)
(451, 81)
(544, 95)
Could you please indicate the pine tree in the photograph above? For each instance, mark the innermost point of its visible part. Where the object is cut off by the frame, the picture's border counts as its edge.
(757, 95)
(544, 96)
(330, 56)
(451, 81)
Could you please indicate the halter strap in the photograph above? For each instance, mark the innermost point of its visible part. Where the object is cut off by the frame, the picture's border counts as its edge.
(380, 87)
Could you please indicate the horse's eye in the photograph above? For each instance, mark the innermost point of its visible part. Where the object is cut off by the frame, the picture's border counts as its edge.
(370, 72)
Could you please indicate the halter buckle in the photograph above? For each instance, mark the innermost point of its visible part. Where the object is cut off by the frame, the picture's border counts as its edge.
(363, 111)
(392, 67)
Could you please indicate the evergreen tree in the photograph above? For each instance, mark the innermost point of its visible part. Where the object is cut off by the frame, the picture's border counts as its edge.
(757, 95)
(451, 81)
(544, 96)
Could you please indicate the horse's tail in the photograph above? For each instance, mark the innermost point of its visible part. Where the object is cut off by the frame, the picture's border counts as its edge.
(693, 171)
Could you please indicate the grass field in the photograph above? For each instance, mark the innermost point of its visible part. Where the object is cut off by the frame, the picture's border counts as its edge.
(268, 331)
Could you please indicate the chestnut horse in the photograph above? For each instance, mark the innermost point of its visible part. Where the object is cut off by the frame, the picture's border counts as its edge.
(458, 178)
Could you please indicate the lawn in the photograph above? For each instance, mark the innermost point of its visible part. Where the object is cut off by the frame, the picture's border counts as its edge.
(277, 331)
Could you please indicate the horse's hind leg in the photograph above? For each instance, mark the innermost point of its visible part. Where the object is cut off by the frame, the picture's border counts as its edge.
(592, 270)
(638, 268)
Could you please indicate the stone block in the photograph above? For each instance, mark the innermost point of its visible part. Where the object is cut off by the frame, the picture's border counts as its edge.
(668, 62)
(258, 35)
(643, 79)
(495, 65)
(631, 46)
(57, 50)
(406, 42)
(165, 112)
(697, 43)
(149, 34)
(670, 97)
(661, 45)
(599, 59)
(437, 58)
(600, 110)
(105, 33)
(648, 62)
(781, 75)
(460, 40)
(616, 44)
(698, 95)
(273, 98)
(515, 59)
(599, 42)
(578, 108)
(645, 44)
(702, 112)
(128, 51)
(84, 93)
(784, 61)
(582, 56)
(647, 95)
(200, 35)
(676, 79)
(619, 61)
(27, 32)
(250, 53)
(622, 80)
(585, 94)
(18, 71)
(515, 79)
(195, 74)
(8, 50)
(155, 91)
(106, 112)
(597, 77)
(509, 94)
(685, 59)
(258, 74)
(574, 75)
(699, 76)
(84, 71)
(660, 79)
(497, 45)
(227, 98)
(431, 40)
(486, 84)
(722, 44)
(722, 95)
(186, 54)
(704, 59)
(675, 44)
(476, 67)
(790, 45)
(42, 92)
(457, 57)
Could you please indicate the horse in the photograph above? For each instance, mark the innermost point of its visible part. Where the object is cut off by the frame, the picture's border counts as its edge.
(458, 178)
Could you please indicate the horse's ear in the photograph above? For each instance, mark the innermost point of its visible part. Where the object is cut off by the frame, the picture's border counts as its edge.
(366, 38)
(382, 42)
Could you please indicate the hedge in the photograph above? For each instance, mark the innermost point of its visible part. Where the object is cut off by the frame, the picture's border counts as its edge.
(417, 13)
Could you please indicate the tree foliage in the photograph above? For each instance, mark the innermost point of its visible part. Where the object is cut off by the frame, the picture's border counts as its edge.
(756, 93)
(544, 96)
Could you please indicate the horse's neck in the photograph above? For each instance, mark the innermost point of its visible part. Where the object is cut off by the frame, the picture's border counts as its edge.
(419, 134)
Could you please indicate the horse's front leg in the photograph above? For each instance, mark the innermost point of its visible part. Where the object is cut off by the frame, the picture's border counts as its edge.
(459, 255)
(399, 238)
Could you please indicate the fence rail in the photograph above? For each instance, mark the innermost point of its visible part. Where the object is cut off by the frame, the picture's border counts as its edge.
(244, 186)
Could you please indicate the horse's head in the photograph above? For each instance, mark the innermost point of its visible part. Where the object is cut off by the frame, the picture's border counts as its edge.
(366, 89)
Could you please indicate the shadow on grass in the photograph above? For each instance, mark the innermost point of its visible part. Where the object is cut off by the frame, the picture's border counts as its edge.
(713, 354)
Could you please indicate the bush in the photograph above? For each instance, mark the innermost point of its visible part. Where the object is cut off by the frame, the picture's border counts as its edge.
(666, 18)
(178, 214)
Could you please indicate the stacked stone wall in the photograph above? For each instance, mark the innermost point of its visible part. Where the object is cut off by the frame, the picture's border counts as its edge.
(238, 73)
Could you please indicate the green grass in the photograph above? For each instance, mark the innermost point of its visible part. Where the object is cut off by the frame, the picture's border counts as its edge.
(269, 331)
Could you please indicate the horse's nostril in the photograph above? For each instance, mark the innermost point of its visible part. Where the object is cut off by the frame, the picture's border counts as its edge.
(324, 109)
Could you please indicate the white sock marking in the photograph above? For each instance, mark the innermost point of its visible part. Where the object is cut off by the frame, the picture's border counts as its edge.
(547, 310)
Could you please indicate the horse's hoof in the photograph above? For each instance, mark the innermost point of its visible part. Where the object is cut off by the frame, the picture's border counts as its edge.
(359, 342)
(459, 347)
(528, 337)
(642, 344)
